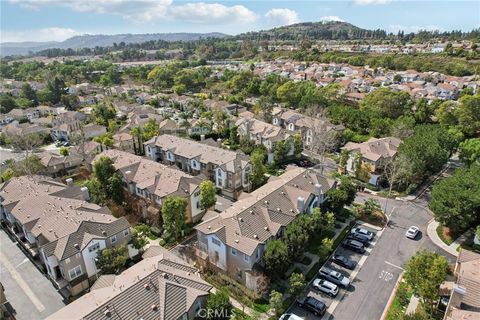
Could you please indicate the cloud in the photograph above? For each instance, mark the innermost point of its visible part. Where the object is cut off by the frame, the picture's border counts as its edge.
(201, 12)
(282, 17)
(408, 29)
(367, 2)
(145, 11)
(45, 34)
(332, 18)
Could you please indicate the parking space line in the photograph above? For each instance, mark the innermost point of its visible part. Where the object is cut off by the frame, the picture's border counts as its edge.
(393, 265)
(21, 283)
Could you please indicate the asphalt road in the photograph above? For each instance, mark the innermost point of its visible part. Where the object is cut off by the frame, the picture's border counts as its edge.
(29, 292)
(376, 280)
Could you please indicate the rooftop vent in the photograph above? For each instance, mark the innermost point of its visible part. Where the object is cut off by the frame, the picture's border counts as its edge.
(266, 201)
(265, 228)
(107, 313)
(154, 307)
(146, 286)
(255, 236)
(209, 227)
(236, 240)
(77, 246)
(240, 219)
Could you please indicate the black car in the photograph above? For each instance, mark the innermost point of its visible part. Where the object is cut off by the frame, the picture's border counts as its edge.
(360, 238)
(313, 305)
(343, 261)
(354, 246)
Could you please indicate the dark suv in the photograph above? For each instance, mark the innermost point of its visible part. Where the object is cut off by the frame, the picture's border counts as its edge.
(354, 246)
(343, 261)
(311, 304)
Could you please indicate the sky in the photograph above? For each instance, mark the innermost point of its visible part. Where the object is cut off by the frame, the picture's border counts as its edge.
(57, 20)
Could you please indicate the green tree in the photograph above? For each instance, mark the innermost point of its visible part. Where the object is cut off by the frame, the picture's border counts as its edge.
(445, 114)
(208, 195)
(296, 237)
(455, 200)
(297, 145)
(173, 215)
(64, 151)
(114, 188)
(276, 302)
(7, 103)
(7, 174)
(424, 273)
(151, 129)
(96, 191)
(103, 169)
(103, 113)
(280, 153)
(343, 195)
(296, 283)
(385, 102)
(276, 257)
(258, 169)
(29, 94)
(139, 239)
(470, 151)
(219, 305)
(468, 115)
(112, 260)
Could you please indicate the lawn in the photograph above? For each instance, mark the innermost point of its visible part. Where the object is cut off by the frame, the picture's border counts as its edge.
(400, 302)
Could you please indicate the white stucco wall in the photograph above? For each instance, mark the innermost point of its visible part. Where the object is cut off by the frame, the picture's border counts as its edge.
(213, 248)
(89, 257)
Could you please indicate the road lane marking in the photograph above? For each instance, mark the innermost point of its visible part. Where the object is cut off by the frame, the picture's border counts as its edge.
(385, 275)
(22, 284)
(24, 261)
(394, 265)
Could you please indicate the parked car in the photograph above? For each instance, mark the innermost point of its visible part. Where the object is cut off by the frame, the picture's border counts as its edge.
(326, 287)
(364, 231)
(412, 232)
(290, 316)
(360, 238)
(343, 261)
(334, 276)
(354, 246)
(316, 306)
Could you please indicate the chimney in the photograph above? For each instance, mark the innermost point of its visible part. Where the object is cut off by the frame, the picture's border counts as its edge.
(300, 204)
(85, 193)
(319, 193)
(69, 182)
(202, 137)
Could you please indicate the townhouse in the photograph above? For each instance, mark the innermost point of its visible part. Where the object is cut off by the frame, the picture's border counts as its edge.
(375, 153)
(56, 223)
(234, 240)
(161, 286)
(263, 133)
(151, 182)
(229, 170)
(464, 293)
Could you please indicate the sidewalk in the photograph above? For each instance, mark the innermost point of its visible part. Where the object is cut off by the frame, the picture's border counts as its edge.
(432, 234)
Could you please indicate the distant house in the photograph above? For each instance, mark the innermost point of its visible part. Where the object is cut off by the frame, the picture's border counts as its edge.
(65, 131)
(229, 170)
(123, 141)
(161, 287)
(92, 130)
(56, 222)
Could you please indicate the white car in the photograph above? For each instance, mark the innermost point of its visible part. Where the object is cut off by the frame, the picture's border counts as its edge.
(412, 232)
(368, 234)
(326, 287)
(290, 316)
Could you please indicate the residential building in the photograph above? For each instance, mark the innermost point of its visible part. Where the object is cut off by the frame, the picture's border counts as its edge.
(161, 287)
(65, 131)
(123, 141)
(56, 223)
(234, 240)
(93, 130)
(151, 182)
(57, 165)
(263, 133)
(464, 301)
(229, 170)
(374, 153)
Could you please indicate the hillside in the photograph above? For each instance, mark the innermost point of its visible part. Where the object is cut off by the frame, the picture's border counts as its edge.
(92, 41)
(332, 30)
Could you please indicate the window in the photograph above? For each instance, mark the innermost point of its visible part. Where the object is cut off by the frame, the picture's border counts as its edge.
(234, 252)
(246, 258)
(113, 239)
(198, 204)
(126, 232)
(75, 272)
(257, 253)
(94, 247)
(216, 242)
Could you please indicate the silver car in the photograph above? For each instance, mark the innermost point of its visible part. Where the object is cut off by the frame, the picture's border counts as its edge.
(326, 287)
(412, 232)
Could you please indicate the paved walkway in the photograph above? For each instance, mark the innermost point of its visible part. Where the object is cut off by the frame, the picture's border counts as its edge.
(412, 306)
(432, 233)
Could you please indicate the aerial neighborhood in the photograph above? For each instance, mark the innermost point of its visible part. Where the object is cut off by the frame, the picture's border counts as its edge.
(313, 170)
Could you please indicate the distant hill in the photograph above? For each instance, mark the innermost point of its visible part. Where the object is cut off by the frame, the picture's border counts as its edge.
(323, 30)
(92, 41)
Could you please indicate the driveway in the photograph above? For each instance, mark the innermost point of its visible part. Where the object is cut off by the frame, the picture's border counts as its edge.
(28, 291)
(376, 280)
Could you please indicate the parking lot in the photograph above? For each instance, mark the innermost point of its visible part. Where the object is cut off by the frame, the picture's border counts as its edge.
(333, 302)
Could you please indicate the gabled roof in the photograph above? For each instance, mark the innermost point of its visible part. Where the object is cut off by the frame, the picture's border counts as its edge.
(374, 148)
(256, 218)
(159, 287)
